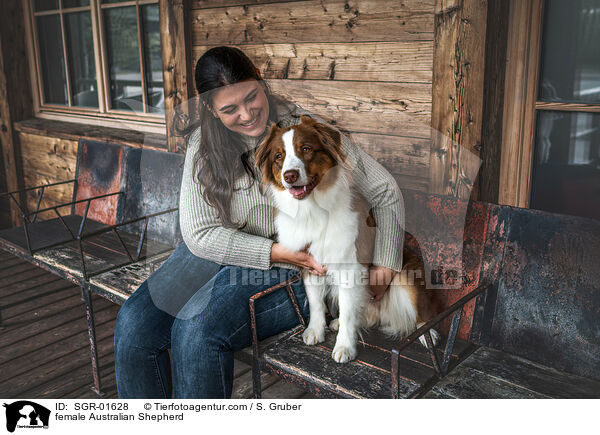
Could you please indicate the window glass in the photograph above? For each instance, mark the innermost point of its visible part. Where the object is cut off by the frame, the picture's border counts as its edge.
(52, 59)
(566, 173)
(153, 58)
(123, 58)
(45, 5)
(75, 3)
(570, 63)
(82, 66)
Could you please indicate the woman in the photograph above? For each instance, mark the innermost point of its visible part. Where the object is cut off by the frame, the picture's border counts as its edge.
(196, 303)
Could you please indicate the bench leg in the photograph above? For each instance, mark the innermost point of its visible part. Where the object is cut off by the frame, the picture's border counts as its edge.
(89, 314)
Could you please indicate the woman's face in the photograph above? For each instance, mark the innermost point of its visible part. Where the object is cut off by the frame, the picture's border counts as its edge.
(242, 107)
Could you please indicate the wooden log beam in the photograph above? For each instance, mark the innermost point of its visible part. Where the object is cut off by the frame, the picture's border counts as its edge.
(314, 21)
(15, 93)
(493, 100)
(177, 65)
(522, 63)
(457, 97)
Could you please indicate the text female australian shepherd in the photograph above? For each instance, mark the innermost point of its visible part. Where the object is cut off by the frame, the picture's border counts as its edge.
(318, 210)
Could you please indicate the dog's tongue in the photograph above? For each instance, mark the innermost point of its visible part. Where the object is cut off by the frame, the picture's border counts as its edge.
(298, 192)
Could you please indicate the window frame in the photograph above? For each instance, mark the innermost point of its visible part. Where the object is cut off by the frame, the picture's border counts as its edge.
(103, 115)
(521, 103)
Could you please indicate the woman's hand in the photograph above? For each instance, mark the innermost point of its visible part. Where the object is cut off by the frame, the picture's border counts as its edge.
(303, 259)
(380, 278)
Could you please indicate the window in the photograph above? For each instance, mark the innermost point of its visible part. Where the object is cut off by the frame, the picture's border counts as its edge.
(566, 149)
(550, 155)
(99, 57)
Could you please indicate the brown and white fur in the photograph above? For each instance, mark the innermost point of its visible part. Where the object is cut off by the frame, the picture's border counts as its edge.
(318, 210)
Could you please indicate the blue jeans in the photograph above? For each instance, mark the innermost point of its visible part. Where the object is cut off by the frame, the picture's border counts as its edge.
(199, 309)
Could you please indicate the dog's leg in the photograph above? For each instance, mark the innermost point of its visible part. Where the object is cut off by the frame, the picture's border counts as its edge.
(352, 297)
(315, 292)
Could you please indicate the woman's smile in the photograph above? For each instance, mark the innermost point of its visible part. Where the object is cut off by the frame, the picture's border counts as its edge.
(242, 107)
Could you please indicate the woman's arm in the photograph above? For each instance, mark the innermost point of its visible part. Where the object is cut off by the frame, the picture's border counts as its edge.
(380, 189)
(203, 232)
(206, 237)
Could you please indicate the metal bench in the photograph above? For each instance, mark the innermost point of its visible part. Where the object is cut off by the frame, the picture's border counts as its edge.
(520, 286)
(122, 224)
(522, 291)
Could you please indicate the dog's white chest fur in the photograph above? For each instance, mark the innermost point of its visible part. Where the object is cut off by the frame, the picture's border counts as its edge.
(324, 221)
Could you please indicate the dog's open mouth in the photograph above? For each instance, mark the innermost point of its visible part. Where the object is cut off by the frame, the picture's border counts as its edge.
(301, 192)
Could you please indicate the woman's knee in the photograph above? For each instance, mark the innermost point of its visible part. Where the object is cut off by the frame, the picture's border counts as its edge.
(140, 324)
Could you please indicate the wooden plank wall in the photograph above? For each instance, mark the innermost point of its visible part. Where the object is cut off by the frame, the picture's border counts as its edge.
(48, 160)
(365, 66)
(457, 111)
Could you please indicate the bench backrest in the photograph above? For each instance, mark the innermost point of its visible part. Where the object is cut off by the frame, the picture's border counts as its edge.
(546, 304)
(150, 181)
(460, 244)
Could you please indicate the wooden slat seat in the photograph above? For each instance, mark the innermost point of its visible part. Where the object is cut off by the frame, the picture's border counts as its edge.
(490, 373)
(101, 253)
(369, 376)
(118, 284)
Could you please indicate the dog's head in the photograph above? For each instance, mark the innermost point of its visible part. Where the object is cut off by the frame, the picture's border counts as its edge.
(301, 158)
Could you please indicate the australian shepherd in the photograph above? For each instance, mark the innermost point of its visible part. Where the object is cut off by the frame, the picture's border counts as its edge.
(319, 210)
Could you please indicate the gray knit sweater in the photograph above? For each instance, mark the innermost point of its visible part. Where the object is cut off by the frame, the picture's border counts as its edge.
(250, 247)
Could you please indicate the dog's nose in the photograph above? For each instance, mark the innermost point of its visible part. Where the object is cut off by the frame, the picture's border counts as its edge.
(291, 176)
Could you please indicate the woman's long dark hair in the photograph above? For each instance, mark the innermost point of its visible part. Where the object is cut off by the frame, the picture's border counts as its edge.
(222, 156)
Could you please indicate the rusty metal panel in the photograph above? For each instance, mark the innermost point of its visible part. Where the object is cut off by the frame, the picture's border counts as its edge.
(99, 167)
(152, 181)
(548, 302)
(450, 235)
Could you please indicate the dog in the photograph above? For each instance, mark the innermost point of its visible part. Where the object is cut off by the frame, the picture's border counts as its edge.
(318, 209)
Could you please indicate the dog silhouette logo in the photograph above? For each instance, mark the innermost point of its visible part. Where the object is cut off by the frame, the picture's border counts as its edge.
(26, 414)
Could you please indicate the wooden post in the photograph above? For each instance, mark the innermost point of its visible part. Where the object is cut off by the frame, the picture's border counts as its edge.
(493, 100)
(177, 69)
(15, 94)
(457, 96)
(520, 92)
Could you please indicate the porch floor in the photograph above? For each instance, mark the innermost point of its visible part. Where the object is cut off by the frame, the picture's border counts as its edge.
(44, 348)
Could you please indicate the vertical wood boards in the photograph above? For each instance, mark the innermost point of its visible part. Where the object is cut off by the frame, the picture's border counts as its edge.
(458, 72)
(176, 56)
(493, 95)
(15, 94)
(524, 32)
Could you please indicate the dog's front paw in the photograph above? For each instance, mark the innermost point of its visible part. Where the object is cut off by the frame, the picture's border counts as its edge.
(334, 325)
(343, 353)
(313, 336)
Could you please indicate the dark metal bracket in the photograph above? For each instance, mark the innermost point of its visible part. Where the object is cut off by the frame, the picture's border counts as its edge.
(255, 347)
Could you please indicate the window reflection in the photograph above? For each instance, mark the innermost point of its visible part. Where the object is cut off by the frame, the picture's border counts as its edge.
(123, 58)
(566, 173)
(52, 59)
(82, 67)
(153, 59)
(570, 66)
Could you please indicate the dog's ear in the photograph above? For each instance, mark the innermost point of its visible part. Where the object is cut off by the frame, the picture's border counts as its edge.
(331, 139)
(263, 153)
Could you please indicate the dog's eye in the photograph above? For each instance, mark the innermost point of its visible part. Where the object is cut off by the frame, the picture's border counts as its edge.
(278, 156)
(306, 149)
